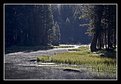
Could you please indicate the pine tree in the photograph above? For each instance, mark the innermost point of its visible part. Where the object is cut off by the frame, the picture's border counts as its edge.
(28, 25)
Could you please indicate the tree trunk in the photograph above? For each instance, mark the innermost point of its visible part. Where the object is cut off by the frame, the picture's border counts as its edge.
(93, 43)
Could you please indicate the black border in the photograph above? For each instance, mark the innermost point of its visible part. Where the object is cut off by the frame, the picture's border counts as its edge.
(47, 1)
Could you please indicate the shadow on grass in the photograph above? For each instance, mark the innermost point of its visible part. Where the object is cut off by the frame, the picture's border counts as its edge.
(13, 49)
(107, 53)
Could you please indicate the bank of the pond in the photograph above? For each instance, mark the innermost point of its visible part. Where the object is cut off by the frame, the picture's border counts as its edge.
(83, 56)
(24, 65)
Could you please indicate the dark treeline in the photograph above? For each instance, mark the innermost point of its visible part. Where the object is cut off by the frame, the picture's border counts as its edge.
(104, 28)
(30, 25)
(35, 25)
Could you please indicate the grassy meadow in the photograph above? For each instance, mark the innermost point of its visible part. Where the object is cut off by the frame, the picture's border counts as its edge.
(83, 56)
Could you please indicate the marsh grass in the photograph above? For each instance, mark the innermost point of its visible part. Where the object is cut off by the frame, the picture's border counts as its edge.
(83, 57)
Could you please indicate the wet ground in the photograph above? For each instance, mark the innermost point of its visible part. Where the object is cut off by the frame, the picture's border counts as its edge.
(23, 65)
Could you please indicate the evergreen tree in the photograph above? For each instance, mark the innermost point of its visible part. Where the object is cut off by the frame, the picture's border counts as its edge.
(104, 36)
(102, 25)
(54, 34)
(27, 25)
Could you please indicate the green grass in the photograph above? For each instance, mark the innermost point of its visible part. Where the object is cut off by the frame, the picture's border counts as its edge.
(83, 57)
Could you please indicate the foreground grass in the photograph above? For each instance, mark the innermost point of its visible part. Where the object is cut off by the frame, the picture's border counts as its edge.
(83, 56)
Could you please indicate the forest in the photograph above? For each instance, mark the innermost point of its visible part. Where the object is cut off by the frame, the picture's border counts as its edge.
(26, 25)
